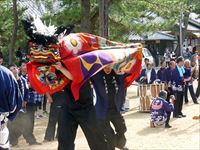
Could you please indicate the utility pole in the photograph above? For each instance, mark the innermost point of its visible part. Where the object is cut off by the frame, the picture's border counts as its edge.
(181, 33)
(103, 18)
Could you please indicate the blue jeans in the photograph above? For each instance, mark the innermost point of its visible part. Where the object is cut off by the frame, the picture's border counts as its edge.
(191, 90)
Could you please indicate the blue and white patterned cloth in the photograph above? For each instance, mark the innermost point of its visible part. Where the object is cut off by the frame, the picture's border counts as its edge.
(158, 110)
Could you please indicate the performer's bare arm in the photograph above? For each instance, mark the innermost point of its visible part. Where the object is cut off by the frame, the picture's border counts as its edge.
(49, 98)
(60, 67)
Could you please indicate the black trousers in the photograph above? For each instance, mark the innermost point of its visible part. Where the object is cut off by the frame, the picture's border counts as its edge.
(115, 137)
(16, 128)
(191, 90)
(54, 116)
(68, 124)
(30, 114)
(169, 93)
(23, 125)
(44, 104)
(168, 117)
(178, 104)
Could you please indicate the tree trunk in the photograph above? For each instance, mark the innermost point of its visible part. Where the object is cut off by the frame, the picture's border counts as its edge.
(103, 14)
(14, 32)
(85, 16)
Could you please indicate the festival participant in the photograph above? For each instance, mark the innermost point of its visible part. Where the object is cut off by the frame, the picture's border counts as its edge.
(148, 75)
(10, 104)
(169, 73)
(17, 127)
(110, 96)
(189, 82)
(80, 112)
(178, 87)
(30, 107)
(161, 74)
(58, 99)
(160, 109)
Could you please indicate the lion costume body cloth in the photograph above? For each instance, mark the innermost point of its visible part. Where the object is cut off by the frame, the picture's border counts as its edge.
(83, 55)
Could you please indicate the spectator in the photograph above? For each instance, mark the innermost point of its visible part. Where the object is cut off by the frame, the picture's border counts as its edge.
(194, 56)
(30, 107)
(187, 54)
(17, 126)
(167, 55)
(54, 114)
(161, 74)
(189, 83)
(10, 104)
(194, 70)
(190, 47)
(178, 87)
(146, 61)
(160, 110)
(172, 55)
(148, 75)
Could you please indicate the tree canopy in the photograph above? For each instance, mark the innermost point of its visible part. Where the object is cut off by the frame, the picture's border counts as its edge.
(125, 16)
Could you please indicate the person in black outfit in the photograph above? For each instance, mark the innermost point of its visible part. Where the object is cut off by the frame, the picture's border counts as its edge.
(110, 93)
(80, 112)
(57, 100)
(44, 105)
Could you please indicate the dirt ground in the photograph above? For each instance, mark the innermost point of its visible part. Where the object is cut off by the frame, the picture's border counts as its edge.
(184, 134)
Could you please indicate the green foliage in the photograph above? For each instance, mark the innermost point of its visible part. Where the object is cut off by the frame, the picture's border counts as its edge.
(125, 16)
(6, 23)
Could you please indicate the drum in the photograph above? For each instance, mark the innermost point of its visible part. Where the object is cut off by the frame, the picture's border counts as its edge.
(148, 92)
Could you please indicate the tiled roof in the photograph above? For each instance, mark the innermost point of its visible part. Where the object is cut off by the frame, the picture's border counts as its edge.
(153, 36)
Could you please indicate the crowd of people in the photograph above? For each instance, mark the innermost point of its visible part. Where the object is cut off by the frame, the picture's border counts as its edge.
(178, 76)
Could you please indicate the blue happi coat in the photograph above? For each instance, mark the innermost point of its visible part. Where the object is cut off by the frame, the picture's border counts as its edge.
(152, 77)
(10, 95)
(162, 75)
(158, 110)
(102, 103)
(178, 80)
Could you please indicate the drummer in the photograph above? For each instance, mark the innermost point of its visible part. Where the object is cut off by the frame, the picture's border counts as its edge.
(148, 75)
